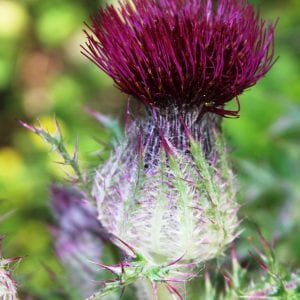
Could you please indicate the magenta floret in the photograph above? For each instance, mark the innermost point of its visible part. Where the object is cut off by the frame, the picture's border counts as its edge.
(184, 52)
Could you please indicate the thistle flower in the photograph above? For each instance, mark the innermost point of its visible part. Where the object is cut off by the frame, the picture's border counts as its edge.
(166, 196)
(182, 53)
(184, 60)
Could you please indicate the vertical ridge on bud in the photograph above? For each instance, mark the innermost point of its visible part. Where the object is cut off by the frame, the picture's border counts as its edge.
(178, 126)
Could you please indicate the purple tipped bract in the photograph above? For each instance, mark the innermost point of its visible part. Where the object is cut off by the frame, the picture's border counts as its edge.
(187, 53)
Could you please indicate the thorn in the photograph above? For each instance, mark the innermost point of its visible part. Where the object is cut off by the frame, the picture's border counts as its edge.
(76, 151)
(264, 242)
(122, 264)
(11, 260)
(227, 279)
(106, 267)
(166, 144)
(173, 290)
(101, 118)
(126, 244)
(172, 263)
(186, 129)
(58, 134)
(260, 263)
(27, 126)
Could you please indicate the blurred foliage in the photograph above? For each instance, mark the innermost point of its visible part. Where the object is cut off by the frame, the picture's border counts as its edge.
(43, 74)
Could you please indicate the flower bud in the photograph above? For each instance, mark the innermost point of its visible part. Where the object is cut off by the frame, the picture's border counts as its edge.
(168, 191)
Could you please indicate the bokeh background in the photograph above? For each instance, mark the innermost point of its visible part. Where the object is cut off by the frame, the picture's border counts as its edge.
(43, 74)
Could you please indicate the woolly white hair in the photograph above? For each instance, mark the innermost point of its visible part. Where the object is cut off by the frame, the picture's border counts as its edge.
(176, 203)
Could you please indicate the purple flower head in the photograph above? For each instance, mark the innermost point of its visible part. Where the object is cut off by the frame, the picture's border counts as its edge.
(187, 53)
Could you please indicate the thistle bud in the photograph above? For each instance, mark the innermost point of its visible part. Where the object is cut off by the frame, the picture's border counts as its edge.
(167, 192)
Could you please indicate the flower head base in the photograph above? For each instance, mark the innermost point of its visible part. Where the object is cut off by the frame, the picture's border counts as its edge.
(181, 206)
(185, 53)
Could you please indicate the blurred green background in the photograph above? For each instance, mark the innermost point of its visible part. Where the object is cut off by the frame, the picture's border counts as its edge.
(43, 74)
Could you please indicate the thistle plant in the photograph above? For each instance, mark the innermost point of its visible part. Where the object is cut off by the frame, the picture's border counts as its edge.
(167, 190)
(167, 195)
